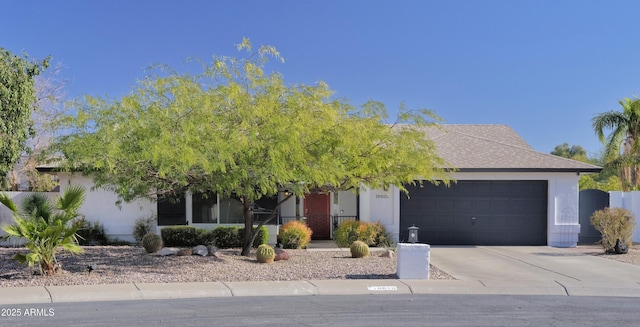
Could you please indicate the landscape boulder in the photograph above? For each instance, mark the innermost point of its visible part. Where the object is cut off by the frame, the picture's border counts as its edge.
(200, 250)
(212, 249)
(281, 255)
(621, 247)
(388, 254)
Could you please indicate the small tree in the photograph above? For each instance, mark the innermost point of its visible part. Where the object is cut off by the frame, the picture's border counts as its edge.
(622, 145)
(49, 91)
(615, 224)
(237, 131)
(45, 226)
(17, 100)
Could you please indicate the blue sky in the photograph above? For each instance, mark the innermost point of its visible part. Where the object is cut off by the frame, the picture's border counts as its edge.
(543, 67)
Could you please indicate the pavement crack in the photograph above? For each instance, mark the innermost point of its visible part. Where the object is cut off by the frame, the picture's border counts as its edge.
(566, 291)
(230, 289)
(49, 292)
(530, 264)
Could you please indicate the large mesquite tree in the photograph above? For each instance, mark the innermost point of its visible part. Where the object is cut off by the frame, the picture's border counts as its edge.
(17, 100)
(237, 131)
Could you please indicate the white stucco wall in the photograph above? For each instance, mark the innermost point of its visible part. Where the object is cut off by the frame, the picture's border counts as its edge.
(563, 224)
(347, 204)
(100, 205)
(6, 215)
(381, 206)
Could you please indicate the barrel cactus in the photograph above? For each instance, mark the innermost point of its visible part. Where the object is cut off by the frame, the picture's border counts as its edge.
(265, 254)
(152, 242)
(359, 249)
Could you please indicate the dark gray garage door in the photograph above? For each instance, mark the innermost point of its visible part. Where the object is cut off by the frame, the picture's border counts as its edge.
(477, 213)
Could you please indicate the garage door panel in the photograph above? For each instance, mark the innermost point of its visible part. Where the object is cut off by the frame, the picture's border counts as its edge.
(507, 213)
(491, 222)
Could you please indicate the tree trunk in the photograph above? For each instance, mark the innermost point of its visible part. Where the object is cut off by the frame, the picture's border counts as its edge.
(249, 233)
(248, 226)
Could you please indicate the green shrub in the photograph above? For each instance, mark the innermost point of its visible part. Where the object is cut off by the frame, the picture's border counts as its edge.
(90, 233)
(261, 238)
(142, 227)
(117, 242)
(346, 233)
(226, 237)
(373, 234)
(384, 238)
(185, 236)
(294, 235)
(368, 232)
(614, 224)
(152, 242)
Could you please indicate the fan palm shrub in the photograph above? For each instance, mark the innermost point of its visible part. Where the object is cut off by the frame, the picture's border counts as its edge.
(45, 226)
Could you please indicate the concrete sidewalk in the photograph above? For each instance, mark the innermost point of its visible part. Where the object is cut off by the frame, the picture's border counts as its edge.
(479, 270)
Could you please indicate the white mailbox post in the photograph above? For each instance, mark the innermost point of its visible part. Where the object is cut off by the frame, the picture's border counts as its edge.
(413, 261)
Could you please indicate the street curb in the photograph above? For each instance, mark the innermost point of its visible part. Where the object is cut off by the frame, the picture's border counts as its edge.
(159, 291)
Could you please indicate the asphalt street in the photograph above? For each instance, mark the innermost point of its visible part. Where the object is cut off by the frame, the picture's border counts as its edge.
(345, 310)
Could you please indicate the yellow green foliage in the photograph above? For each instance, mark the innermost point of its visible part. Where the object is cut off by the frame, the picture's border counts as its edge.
(373, 234)
(614, 224)
(265, 254)
(294, 235)
(359, 249)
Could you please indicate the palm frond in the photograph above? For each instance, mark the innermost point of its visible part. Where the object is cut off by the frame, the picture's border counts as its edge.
(72, 199)
(37, 206)
(4, 199)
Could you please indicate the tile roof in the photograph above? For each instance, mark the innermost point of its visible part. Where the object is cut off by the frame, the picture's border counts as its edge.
(496, 148)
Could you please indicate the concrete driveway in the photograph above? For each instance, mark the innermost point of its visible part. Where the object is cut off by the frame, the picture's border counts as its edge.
(540, 267)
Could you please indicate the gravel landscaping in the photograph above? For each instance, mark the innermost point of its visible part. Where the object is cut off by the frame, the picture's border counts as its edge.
(129, 264)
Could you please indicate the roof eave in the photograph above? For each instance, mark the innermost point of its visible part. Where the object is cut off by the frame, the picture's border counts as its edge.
(530, 170)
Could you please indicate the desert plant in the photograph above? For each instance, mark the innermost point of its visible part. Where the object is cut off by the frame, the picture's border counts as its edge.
(346, 233)
(294, 235)
(384, 238)
(615, 224)
(265, 254)
(143, 226)
(45, 226)
(359, 249)
(90, 233)
(374, 234)
(152, 242)
(368, 232)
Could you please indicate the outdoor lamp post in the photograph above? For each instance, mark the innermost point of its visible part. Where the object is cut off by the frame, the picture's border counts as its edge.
(413, 234)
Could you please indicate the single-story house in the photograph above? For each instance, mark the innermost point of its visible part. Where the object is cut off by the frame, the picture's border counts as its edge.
(506, 193)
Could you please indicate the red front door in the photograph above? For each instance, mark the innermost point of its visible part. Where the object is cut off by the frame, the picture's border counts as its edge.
(316, 209)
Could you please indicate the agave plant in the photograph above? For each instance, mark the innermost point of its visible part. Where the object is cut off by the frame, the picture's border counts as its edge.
(45, 226)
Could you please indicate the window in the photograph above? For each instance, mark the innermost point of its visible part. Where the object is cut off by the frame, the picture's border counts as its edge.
(204, 208)
(171, 211)
(231, 211)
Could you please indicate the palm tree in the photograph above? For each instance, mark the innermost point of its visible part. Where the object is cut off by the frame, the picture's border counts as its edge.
(45, 226)
(622, 145)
